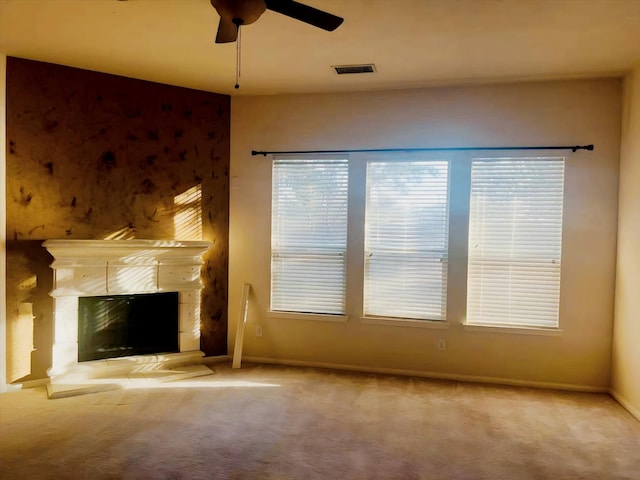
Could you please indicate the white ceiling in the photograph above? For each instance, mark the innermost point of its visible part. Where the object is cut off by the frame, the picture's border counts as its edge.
(412, 42)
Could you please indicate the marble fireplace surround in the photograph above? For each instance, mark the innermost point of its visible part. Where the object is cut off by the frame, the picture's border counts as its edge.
(84, 268)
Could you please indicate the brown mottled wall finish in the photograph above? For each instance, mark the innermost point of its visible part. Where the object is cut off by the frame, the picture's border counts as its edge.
(97, 156)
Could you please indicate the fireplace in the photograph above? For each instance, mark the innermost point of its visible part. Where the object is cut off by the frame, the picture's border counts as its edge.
(128, 274)
(114, 326)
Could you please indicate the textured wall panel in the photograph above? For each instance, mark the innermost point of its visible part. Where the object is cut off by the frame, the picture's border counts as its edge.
(96, 156)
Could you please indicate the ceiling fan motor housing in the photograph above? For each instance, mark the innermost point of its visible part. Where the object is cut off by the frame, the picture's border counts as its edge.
(240, 12)
(234, 13)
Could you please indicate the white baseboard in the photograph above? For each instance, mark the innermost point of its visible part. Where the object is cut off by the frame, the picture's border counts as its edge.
(216, 359)
(625, 403)
(395, 371)
(434, 375)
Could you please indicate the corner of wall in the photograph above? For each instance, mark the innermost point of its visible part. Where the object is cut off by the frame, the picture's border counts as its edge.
(625, 403)
(3, 224)
(625, 382)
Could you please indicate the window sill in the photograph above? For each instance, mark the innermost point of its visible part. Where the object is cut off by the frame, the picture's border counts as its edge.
(516, 330)
(405, 322)
(318, 317)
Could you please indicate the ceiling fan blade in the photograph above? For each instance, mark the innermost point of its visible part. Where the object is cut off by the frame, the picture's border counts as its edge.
(227, 31)
(305, 14)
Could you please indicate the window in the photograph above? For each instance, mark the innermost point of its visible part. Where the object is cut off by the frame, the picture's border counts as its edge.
(309, 235)
(399, 239)
(515, 236)
(406, 238)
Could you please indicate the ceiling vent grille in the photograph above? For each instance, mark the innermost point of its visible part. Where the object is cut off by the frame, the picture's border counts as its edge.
(351, 69)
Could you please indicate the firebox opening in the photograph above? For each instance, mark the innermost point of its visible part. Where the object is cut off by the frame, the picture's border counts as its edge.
(123, 325)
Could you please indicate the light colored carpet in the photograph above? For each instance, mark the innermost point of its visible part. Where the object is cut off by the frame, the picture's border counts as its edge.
(267, 422)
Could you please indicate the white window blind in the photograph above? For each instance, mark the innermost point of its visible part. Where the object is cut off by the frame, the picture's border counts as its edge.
(309, 235)
(406, 239)
(515, 237)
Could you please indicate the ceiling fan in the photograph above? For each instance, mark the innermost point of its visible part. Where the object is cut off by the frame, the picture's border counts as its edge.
(234, 13)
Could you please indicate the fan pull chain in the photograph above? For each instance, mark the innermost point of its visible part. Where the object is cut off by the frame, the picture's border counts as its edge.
(238, 57)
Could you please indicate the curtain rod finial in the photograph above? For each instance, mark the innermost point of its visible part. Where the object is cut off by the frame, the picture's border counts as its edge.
(582, 147)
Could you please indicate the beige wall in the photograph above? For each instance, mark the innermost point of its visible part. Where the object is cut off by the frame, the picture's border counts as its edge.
(626, 351)
(572, 112)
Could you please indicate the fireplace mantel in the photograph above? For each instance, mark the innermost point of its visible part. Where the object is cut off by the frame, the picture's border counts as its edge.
(118, 267)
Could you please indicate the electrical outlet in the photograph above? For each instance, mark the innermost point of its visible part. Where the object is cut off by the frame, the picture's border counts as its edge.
(442, 344)
(258, 331)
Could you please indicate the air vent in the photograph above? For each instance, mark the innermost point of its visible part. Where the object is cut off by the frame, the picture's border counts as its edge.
(348, 69)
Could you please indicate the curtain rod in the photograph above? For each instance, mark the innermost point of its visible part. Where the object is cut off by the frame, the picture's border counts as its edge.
(573, 148)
